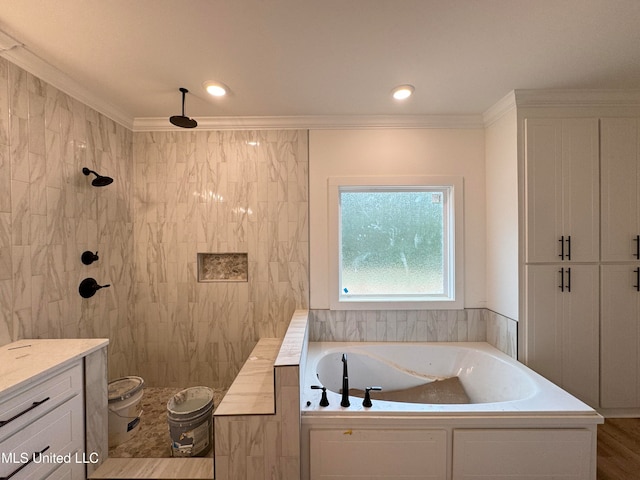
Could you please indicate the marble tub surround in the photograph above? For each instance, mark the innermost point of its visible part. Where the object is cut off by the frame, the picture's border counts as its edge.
(468, 325)
(50, 214)
(252, 392)
(216, 191)
(265, 446)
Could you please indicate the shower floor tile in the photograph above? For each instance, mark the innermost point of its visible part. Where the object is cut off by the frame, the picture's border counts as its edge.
(152, 438)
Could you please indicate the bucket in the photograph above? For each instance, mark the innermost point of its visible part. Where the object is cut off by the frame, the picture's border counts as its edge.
(125, 395)
(190, 417)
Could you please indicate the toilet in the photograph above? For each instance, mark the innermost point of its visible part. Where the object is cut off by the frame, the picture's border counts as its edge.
(125, 399)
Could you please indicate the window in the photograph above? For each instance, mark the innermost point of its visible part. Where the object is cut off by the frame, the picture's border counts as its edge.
(396, 243)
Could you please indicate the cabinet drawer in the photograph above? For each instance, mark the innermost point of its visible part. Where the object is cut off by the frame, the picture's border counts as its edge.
(58, 435)
(23, 407)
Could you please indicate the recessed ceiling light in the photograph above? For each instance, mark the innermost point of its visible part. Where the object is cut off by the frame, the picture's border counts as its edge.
(215, 89)
(402, 92)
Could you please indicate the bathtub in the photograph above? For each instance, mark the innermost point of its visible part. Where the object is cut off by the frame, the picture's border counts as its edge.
(512, 419)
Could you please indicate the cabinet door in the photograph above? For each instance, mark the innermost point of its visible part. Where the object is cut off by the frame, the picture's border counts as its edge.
(562, 189)
(563, 327)
(620, 330)
(381, 454)
(620, 180)
(526, 453)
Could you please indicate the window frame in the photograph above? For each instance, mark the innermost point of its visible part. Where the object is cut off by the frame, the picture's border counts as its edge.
(455, 247)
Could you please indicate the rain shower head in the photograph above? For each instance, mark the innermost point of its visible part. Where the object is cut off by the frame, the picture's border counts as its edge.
(99, 181)
(181, 120)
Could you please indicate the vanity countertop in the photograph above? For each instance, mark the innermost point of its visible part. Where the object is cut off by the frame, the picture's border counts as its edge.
(26, 361)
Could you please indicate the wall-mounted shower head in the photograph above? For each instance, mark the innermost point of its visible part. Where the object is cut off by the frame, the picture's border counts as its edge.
(181, 120)
(99, 181)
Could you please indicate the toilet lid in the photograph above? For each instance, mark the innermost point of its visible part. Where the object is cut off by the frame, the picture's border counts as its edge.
(124, 387)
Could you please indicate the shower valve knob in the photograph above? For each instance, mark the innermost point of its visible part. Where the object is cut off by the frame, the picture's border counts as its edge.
(88, 287)
(89, 257)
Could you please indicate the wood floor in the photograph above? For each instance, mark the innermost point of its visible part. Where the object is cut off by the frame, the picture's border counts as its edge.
(619, 449)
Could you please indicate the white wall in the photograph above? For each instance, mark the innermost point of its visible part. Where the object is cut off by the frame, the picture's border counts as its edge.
(398, 152)
(502, 215)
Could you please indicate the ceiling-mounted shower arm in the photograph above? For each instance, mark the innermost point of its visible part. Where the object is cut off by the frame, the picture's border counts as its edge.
(184, 94)
(183, 121)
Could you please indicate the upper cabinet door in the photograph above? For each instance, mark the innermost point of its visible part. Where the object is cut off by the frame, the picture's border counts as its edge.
(620, 166)
(562, 190)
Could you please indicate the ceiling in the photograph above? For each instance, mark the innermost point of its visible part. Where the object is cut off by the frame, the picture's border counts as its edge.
(320, 57)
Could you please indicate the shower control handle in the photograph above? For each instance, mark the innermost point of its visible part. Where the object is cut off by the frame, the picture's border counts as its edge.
(89, 257)
(88, 287)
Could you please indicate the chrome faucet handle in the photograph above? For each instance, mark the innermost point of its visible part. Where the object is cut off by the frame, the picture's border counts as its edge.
(367, 396)
(324, 401)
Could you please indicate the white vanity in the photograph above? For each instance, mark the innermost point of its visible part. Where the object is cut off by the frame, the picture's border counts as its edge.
(53, 404)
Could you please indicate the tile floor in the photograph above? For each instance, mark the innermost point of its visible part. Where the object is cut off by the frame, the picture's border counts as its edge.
(152, 438)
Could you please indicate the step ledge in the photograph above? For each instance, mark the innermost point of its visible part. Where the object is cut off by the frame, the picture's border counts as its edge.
(155, 468)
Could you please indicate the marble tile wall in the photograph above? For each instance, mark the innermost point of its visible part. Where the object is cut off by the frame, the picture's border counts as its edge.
(469, 325)
(50, 214)
(216, 192)
(262, 447)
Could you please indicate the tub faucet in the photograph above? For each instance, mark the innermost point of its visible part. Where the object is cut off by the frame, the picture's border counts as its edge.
(345, 382)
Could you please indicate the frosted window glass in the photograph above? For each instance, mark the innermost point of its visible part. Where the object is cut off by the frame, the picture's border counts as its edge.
(393, 242)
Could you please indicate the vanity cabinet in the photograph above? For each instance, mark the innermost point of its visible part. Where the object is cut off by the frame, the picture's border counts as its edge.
(42, 428)
(53, 408)
(562, 190)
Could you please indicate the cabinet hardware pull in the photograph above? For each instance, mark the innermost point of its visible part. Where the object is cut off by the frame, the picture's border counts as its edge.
(569, 279)
(637, 240)
(568, 247)
(33, 405)
(561, 247)
(637, 285)
(561, 286)
(33, 457)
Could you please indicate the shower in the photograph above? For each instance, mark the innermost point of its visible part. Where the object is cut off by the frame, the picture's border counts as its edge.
(99, 181)
(181, 120)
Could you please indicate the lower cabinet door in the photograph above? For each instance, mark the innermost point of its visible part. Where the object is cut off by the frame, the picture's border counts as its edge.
(378, 454)
(517, 454)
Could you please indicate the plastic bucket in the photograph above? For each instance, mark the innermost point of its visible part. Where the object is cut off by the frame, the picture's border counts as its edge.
(125, 395)
(190, 418)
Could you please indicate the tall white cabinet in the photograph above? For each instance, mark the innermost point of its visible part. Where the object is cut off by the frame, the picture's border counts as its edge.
(580, 250)
(562, 251)
(620, 269)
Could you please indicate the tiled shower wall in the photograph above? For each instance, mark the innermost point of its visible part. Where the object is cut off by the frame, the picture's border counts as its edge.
(216, 192)
(50, 214)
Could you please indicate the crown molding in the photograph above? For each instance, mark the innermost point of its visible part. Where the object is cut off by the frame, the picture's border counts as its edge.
(577, 98)
(23, 58)
(500, 108)
(317, 122)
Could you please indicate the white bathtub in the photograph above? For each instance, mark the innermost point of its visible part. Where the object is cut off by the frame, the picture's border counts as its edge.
(514, 417)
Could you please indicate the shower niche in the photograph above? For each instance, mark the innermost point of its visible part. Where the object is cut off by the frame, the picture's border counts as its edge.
(223, 267)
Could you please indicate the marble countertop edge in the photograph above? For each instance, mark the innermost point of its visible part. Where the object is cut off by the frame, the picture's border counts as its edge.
(28, 360)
